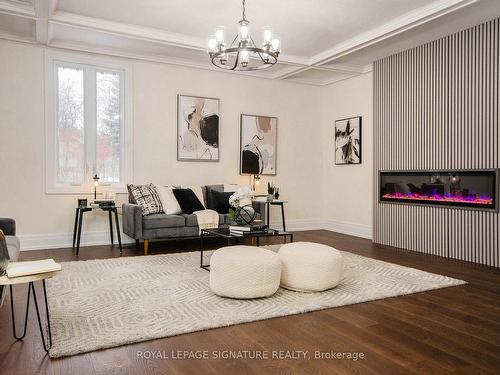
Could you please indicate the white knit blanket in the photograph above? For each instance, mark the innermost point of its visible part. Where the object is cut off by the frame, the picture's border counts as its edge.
(207, 219)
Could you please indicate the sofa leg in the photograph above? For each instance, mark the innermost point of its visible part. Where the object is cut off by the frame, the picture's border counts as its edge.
(137, 243)
(146, 247)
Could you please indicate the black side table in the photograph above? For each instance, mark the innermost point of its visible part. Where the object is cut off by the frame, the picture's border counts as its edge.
(77, 230)
(276, 203)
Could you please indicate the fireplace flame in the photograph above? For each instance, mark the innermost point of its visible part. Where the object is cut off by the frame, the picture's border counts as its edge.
(471, 198)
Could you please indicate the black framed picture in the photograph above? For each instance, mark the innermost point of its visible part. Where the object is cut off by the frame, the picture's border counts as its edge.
(197, 128)
(348, 141)
(258, 144)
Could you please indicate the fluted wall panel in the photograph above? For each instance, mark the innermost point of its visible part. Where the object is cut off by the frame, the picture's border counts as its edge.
(436, 106)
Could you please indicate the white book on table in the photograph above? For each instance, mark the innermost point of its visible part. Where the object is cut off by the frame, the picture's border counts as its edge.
(17, 269)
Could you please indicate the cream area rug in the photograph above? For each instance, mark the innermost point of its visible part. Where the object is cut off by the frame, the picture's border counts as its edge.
(100, 304)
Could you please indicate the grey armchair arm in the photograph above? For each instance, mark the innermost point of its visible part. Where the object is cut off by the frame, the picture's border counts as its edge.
(132, 220)
(8, 226)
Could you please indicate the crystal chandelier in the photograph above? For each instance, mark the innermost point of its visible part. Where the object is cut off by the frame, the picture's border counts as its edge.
(243, 53)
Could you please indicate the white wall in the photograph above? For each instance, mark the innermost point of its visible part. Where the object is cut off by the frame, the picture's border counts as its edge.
(47, 220)
(348, 189)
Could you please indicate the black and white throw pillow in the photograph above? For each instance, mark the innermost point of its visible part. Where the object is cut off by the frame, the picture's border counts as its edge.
(188, 201)
(147, 197)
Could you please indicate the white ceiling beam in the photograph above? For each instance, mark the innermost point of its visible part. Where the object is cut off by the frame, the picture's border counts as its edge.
(390, 29)
(153, 58)
(127, 30)
(44, 10)
(17, 8)
(144, 33)
(291, 72)
(16, 38)
(342, 68)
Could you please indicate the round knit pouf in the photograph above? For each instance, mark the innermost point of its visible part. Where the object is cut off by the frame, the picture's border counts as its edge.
(244, 272)
(310, 267)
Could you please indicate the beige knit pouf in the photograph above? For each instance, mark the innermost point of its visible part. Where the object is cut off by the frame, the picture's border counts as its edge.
(244, 272)
(310, 267)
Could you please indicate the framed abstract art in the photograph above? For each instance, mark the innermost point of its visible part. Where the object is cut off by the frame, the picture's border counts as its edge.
(348, 141)
(197, 128)
(258, 144)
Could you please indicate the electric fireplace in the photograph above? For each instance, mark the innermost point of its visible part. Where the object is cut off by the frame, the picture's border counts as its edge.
(475, 189)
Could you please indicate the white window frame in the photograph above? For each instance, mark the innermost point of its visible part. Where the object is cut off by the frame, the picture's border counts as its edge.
(53, 60)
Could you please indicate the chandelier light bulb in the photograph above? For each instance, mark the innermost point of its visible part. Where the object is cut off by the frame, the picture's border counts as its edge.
(268, 35)
(244, 55)
(275, 43)
(219, 35)
(212, 44)
(244, 31)
(244, 58)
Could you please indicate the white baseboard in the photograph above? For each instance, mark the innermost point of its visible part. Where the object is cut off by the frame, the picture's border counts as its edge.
(298, 224)
(64, 240)
(358, 230)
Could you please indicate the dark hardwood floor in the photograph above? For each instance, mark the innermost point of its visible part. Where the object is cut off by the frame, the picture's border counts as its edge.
(448, 331)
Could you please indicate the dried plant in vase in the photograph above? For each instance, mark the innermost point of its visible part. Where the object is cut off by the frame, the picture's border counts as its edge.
(272, 192)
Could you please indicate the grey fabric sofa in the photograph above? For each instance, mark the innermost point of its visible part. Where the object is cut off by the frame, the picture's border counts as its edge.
(8, 227)
(163, 226)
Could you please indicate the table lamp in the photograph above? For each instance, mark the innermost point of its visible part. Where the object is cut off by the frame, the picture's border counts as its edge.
(256, 180)
(96, 184)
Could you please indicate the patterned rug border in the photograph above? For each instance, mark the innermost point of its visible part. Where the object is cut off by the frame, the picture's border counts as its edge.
(60, 349)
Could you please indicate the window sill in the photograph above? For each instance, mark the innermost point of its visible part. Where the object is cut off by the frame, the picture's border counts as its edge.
(120, 190)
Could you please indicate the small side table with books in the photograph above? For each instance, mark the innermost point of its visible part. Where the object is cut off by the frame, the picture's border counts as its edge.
(29, 273)
(108, 206)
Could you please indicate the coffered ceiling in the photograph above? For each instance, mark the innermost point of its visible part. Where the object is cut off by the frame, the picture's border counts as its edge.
(323, 41)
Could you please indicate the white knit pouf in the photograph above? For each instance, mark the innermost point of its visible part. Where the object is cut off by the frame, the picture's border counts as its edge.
(310, 267)
(244, 272)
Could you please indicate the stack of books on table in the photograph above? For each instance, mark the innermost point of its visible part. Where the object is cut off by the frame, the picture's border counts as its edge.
(18, 269)
(242, 230)
(103, 203)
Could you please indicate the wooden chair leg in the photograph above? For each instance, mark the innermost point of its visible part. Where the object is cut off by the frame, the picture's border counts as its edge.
(146, 247)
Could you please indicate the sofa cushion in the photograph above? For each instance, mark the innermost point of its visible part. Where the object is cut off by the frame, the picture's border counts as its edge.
(192, 221)
(170, 232)
(156, 221)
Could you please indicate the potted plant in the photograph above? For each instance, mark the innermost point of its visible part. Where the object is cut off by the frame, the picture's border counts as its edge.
(272, 192)
(277, 193)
